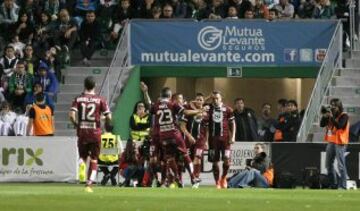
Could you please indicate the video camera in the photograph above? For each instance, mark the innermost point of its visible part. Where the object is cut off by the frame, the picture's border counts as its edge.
(325, 109)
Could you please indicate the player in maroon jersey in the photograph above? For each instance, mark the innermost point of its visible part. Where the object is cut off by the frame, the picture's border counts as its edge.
(221, 136)
(195, 131)
(85, 114)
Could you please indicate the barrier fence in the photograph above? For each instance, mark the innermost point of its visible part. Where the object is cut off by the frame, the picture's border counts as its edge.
(54, 159)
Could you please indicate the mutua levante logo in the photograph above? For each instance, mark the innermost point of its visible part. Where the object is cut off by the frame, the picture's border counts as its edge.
(231, 38)
(209, 38)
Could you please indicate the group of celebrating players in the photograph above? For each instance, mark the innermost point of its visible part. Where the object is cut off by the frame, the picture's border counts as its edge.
(179, 134)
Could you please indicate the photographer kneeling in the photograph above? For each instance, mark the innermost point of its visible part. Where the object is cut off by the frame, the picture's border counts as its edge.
(337, 135)
(258, 172)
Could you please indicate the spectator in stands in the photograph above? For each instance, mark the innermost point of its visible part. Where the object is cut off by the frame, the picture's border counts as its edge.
(167, 11)
(32, 62)
(20, 83)
(43, 37)
(215, 10)
(273, 14)
(33, 8)
(9, 13)
(260, 10)
(232, 13)
(41, 118)
(258, 172)
(90, 37)
(52, 61)
(48, 81)
(156, 12)
(83, 6)
(24, 28)
(18, 46)
(7, 119)
(249, 14)
(323, 10)
(337, 126)
(21, 123)
(7, 65)
(122, 13)
(30, 97)
(146, 9)
(278, 136)
(65, 33)
(306, 9)
(266, 124)
(286, 10)
(52, 7)
(242, 6)
(197, 8)
(245, 121)
(290, 125)
(271, 3)
(342, 12)
(180, 8)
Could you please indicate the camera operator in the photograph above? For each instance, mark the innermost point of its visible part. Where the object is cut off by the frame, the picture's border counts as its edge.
(337, 126)
(258, 173)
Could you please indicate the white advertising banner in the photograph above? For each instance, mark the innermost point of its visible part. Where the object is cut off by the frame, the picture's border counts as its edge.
(240, 152)
(38, 159)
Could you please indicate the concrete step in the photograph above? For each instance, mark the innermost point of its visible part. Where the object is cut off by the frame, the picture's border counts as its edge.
(85, 71)
(94, 62)
(64, 125)
(346, 81)
(66, 97)
(344, 91)
(71, 88)
(60, 106)
(318, 137)
(355, 54)
(349, 72)
(67, 132)
(61, 116)
(99, 54)
(74, 78)
(351, 100)
(352, 63)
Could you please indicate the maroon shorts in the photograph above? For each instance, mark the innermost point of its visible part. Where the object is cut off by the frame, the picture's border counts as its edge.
(219, 150)
(91, 149)
(176, 140)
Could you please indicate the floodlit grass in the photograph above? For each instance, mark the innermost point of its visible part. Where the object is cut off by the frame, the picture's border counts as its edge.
(67, 197)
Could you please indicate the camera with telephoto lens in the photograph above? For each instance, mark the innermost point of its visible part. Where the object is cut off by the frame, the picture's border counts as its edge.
(325, 109)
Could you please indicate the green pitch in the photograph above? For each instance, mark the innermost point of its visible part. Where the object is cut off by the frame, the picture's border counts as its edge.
(72, 197)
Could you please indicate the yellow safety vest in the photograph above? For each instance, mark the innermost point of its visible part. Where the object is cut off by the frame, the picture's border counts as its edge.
(140, 135)
(110, 147)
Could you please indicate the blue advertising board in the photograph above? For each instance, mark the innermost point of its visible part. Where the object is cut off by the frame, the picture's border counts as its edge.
(230, 43)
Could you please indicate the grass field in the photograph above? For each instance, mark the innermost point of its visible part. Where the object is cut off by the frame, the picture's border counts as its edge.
(67, 197)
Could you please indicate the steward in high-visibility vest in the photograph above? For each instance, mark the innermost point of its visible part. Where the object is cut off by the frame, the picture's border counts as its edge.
(337, 126)
(41, 118)
(139, 123)
(337, 135)
(110, 151)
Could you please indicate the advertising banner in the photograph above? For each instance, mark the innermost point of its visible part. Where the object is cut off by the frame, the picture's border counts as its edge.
(295, 157)
(230, 43)
(240, 152)
(38, 159)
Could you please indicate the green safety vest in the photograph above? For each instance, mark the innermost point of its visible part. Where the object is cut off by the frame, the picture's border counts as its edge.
(140, 135)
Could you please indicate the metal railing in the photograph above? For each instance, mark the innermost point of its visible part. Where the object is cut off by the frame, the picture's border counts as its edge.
(332, 61)
(118, 64)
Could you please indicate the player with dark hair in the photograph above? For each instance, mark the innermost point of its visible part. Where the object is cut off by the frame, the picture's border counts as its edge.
(85, 114)
(221, 136)
(195, 132)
